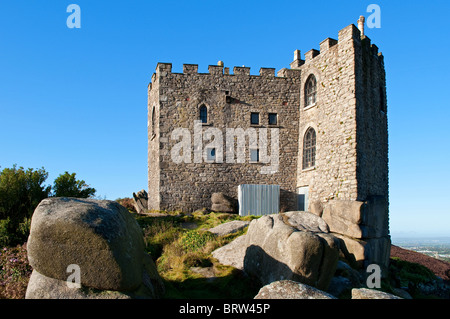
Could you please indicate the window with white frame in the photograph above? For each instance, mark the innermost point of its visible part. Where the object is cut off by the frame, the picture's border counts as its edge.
(310, 91)
(309, 148)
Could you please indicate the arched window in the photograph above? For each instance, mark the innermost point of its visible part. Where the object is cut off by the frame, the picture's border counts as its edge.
(310, 90)
(309, 148)
(153, 122)
(204, 114)
(382, 100)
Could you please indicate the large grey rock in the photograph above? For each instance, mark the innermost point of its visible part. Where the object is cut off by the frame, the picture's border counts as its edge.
(233, 253)
(43, 287)
(141, 201)
(277, 251)
(338, 285)
(287, 289)
(229, 227)
(362, 252)
(344, 217)
(305, 221)
(358, 219)
(364, 293)
(99, 236)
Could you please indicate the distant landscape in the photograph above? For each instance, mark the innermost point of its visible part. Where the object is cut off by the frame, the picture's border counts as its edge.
(436, 247)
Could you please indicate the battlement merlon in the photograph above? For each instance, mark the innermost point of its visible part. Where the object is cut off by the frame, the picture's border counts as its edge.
(327, 44)
(163, 68)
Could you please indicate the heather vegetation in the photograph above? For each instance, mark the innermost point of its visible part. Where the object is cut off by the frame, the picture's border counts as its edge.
(14, 272)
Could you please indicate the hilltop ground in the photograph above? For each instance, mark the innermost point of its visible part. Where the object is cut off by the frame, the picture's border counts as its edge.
(178, 249)
(439, 267)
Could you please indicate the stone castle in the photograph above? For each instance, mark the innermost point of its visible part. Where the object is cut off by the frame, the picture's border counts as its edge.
(318, 130)
(329, 110)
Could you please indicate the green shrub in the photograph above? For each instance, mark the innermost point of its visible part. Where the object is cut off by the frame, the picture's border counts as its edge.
(66, 185)
(12, 234)
(21, 191)
(5, 236)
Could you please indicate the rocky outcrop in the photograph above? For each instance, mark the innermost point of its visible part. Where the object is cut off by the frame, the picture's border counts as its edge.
(362, 228)
(357, 219)
(277, 250)
(288, 289)
(305, 221)
(232, 254)
(362, 252)
(223, 203)
(229, 227)
(364, 293)
(290, 246)
(43, 287)
(141, 201)
(101, 238)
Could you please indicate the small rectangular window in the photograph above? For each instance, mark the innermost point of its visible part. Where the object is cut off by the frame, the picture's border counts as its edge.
(254, 155)
(273, 119)
(211, 154)
(254, 118)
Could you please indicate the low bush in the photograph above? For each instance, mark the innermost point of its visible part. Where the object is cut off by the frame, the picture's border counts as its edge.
(195, 240)
(12, 234)
(128, 203)
(406, 273)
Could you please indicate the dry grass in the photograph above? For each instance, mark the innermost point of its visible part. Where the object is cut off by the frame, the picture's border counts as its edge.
(176, 250)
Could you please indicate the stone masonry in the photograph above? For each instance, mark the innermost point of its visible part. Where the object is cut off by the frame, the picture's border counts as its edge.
(176, 98)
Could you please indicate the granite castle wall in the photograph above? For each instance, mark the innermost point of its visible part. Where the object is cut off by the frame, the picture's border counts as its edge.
(177, 97)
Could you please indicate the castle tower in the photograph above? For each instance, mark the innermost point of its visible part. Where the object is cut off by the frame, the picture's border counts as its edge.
(343, 105)
(343, 140)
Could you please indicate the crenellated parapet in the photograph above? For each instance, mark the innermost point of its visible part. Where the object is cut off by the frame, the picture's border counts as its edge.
(349, 33)
(164, 69)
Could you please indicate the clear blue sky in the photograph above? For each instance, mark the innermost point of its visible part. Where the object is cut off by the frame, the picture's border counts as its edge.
(76, 99)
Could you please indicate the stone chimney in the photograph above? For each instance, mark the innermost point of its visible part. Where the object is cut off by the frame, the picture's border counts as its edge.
(297, 60)
(361, 21)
